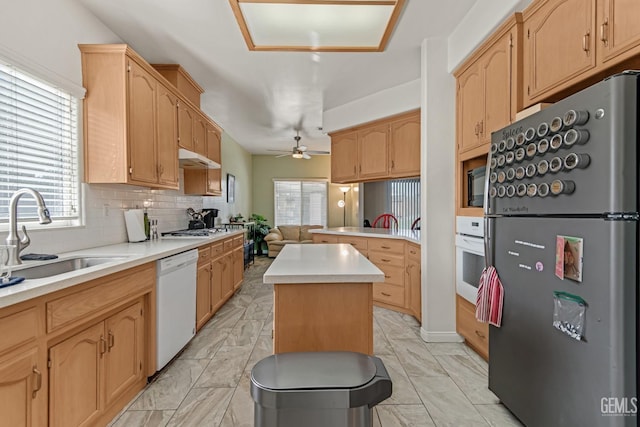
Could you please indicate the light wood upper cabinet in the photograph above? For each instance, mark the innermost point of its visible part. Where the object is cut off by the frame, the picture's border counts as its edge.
(373, 145)
(404, 147)
(167, 137)
(344, 157)
(200, 135)
(385, 148)
(618, 30)
(186, 119)
(559, 44)
(206, 182)
(21, 390)
(126, 118)
(488, 87)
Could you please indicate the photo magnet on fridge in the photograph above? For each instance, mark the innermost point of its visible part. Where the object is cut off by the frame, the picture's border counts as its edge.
(569, 258)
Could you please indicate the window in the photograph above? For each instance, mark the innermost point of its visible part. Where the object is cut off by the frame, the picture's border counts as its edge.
(405, 200)
(300, 202)
(38, 146)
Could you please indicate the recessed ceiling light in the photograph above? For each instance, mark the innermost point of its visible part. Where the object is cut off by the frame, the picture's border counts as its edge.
(317, 25)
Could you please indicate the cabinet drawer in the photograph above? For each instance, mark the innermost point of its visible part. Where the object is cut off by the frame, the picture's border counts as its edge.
(204, 255)
(413, 251)
(18, 328)
(476, 333)
(238, 241)
(104, 295)
(381, 259)
(388, 294)
(387, 245)
(360, 243)
(393, 275)
(217, 249)
(324, 238)
(228, 245)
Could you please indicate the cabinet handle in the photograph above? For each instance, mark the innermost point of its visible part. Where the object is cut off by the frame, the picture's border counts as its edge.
(604, 29)
(354, 168)
(103, 346)
(476, 129)
(385, 294)
(385, 260)
(385, 247)
(393, 165)
(481, 127)
(387, 277)
(112, 340)
(585, 41)
(480, 334)
(37, 376)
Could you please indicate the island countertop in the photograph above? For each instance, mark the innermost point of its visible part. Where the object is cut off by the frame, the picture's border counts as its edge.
(322, 263)
(404, 234)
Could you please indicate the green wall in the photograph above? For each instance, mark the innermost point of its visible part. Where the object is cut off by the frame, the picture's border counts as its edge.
(266, 168)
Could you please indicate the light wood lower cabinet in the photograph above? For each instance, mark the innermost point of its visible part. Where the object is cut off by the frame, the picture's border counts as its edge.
(91, 369)
(414, 280)
(476, 334)
(324, 238)
(22, 399)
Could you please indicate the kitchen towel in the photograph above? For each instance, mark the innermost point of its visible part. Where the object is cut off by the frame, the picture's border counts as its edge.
(37, 257)
(490, 298)
(134, 220)
(13, 280)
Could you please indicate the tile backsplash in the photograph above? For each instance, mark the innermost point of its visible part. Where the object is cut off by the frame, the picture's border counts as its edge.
(104, 205)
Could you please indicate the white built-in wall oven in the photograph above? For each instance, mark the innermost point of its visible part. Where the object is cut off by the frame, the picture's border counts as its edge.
(469, 255)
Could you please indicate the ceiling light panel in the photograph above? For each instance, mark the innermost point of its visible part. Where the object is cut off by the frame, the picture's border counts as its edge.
(316, 25)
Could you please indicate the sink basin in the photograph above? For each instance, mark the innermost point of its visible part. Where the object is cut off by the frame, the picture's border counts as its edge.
(64, 266)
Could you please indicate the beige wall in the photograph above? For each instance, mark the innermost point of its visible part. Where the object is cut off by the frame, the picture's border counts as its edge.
(236, 161)
(266, 168)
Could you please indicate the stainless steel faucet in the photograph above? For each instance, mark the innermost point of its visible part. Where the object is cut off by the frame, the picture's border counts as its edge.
(12, 238)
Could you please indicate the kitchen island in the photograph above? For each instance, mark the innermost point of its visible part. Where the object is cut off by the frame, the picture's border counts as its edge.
(323, 298)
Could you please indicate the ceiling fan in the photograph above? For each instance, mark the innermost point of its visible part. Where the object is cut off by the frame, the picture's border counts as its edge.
(299, 151)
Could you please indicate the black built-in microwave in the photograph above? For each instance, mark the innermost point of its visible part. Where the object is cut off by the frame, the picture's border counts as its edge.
(475, 186)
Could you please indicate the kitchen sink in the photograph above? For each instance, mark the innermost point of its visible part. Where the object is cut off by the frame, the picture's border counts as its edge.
(64, 266)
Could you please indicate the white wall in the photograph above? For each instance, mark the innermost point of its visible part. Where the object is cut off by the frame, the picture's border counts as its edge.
(395, 100)
(438, 200)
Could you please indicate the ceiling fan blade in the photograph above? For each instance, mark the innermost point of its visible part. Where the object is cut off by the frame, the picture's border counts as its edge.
(317, 152)
(283, 155)
(302, 148)
(306, 156)
(280, 151)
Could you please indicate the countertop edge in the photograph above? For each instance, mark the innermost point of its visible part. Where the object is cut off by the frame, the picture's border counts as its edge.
(358, 232)
(137, 253)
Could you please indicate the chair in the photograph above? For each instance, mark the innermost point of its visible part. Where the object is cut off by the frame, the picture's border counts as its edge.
(385, 221)
(416, 224)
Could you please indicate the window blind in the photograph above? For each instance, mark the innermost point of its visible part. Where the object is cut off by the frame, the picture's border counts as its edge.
(405, 200)
(38, 145)
(300, 202)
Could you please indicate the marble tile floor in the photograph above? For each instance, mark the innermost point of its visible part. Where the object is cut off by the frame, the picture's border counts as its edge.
(434, 384)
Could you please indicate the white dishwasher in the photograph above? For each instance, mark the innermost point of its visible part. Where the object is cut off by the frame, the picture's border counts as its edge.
(176, 304)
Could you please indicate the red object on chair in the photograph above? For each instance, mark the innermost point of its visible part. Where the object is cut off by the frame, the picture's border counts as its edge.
(416, 224)
(385, 221)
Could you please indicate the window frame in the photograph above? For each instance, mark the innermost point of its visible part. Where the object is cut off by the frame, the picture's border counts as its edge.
(301, 180)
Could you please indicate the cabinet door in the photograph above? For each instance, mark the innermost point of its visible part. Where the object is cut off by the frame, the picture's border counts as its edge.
(404, 147)
(217, 294)
(186, 118)
(470, 108)
(415, 292)
(141, 125)
(619, 32)
(20, 390)
(200, 135)
(559, 42)
(75, 379)
(203, 295)
(167, 138)
(238, 267)
(344, 157)
(213, 143)
(125, 350)
(227, 275)
(496, 75)
(373, 146)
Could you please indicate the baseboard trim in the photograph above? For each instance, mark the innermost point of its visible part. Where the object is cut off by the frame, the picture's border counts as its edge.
(440, 336)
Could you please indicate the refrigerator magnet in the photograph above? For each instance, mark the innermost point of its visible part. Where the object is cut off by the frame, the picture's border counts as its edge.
(569, 258)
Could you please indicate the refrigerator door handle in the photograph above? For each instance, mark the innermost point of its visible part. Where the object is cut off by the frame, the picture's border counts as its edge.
(488, 255)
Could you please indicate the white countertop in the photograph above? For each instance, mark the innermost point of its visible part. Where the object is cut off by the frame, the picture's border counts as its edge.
(135, 253)
(320, 263)
(410, 235)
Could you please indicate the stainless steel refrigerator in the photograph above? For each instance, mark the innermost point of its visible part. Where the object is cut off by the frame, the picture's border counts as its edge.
(562, 231)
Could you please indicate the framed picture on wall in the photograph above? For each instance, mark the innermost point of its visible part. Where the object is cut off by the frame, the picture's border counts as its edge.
(231, 188)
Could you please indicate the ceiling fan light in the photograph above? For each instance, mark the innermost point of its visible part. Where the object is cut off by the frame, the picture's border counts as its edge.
(297, 155)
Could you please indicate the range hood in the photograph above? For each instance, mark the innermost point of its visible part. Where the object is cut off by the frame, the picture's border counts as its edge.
(190, 160)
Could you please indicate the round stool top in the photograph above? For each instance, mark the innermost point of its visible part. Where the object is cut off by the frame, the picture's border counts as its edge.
(313, 371)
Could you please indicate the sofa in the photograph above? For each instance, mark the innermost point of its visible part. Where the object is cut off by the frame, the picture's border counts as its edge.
(279, 236)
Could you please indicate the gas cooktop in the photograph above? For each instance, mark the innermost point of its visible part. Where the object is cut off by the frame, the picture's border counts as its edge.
(203, 233)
